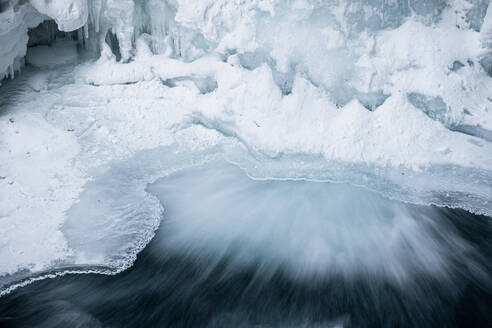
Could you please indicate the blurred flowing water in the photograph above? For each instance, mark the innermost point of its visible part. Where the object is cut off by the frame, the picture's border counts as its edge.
(236, 252)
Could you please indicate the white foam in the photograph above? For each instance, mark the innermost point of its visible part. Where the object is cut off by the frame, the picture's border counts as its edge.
(311, 229)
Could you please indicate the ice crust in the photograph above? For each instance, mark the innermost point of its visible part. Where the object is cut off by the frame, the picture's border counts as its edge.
(396, 98)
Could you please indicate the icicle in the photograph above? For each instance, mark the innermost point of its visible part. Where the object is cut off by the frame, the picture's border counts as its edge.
(98, 5)
(80, 36)
(53, 29)
(86, 30)
(11, 71)
(95, 14)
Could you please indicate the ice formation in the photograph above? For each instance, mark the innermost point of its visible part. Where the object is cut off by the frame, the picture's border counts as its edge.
(393, 96)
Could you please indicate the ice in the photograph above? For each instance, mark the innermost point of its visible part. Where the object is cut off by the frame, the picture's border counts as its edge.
(395, 97)
(434, 107)
(15, 19)
(486, 37)
(62, 53)
(44, 34)
(437, 109)
(476, 13)
(69, 15)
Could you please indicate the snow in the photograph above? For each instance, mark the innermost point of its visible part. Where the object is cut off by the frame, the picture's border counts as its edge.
(288, 123)
(36, 191)
(68, 14)
(286, 89)
(14, 22)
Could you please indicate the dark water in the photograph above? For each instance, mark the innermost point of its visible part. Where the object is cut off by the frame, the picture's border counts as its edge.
(169, 287)
(164, 290)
